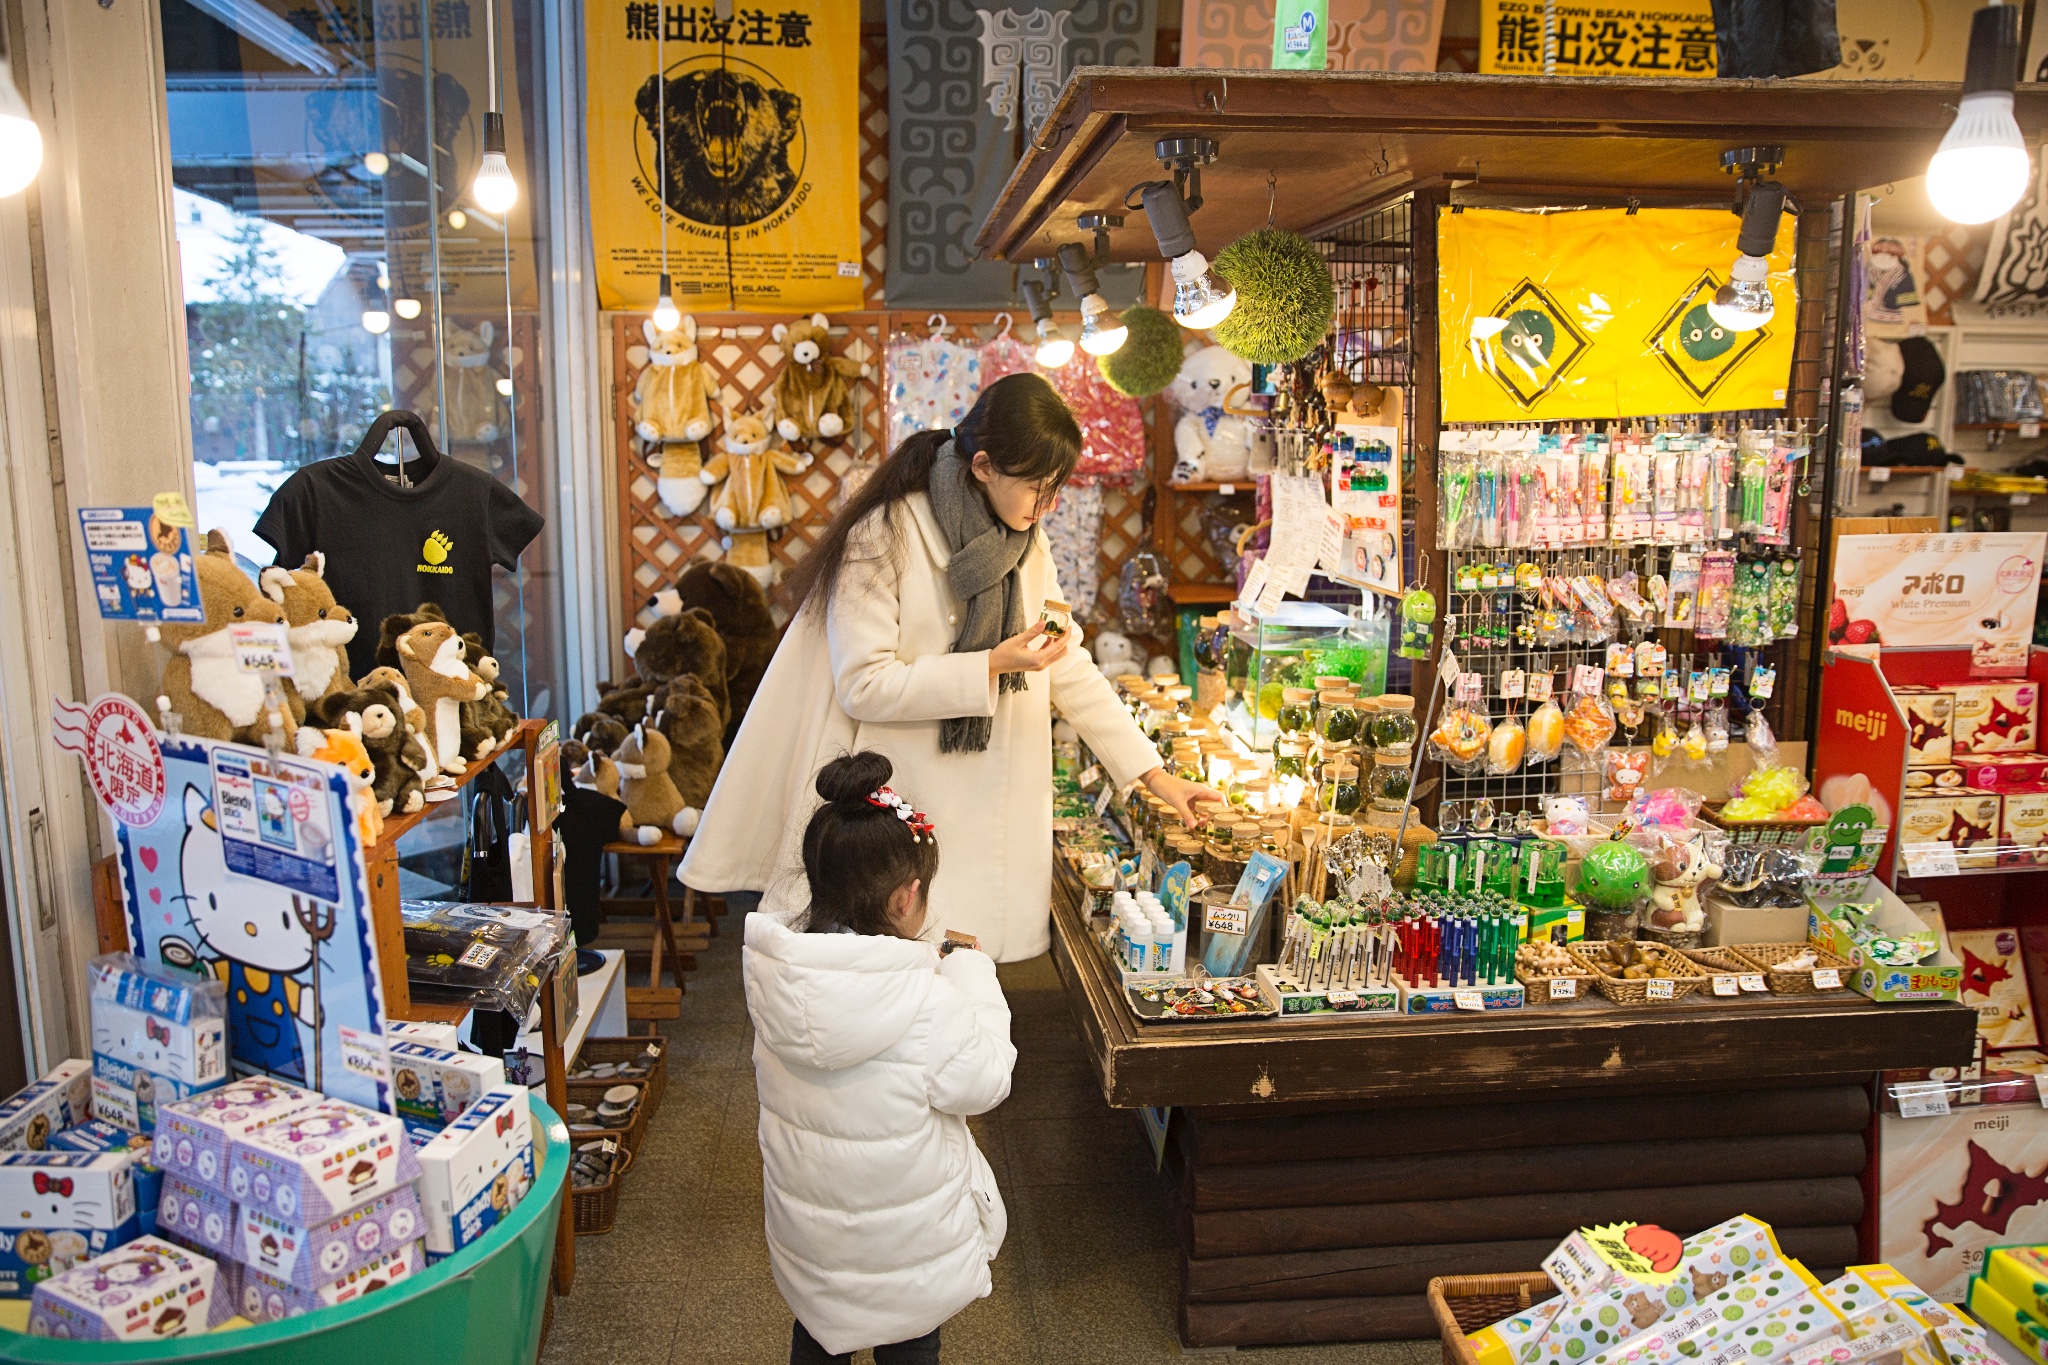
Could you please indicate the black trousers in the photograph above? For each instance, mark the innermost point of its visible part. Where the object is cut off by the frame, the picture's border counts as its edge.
(804, 1350)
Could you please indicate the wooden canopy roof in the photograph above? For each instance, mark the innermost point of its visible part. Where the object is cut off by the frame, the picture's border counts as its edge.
(1336, 141)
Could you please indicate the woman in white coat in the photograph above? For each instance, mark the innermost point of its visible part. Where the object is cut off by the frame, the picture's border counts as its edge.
(917, 635)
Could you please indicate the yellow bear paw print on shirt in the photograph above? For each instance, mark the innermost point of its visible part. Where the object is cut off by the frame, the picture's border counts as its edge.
(437, 547)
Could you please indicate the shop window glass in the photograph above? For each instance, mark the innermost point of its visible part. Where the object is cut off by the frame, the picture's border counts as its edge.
(335, 264)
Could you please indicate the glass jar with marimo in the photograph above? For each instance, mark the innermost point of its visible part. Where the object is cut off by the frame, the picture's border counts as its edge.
(1393, 722)
(1336, 719)
(1187, 761)
(1182, 697)
(1297, 706)
(1172, 730)
(1258, 792)
(1290, 758)
(1339, 789)
(1388, 786)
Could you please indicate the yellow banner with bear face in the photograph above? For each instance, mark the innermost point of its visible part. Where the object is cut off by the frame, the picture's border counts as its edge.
(753, 121)
(1601, 313)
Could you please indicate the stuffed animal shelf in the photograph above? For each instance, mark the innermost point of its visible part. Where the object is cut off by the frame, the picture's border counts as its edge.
(477, 411)
(375, 714)
(687, 642)
(345, 747)
(202, 685)
(672, 411)
(489, 721)
(320, 630)
(431, 655)
(811, 397)
(1210, 444)
(751, 498)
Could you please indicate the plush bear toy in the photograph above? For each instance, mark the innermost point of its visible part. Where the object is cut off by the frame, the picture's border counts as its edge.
(687, 642)
(596, 730)
(1114, 654)
(810, 396)
(413, 720)
(598, 773)
(687, 717)
(739, 609)
(672, 410)
(476, 410)
(432, 658)
(374, 713)
(320, 628)
(649, 792)
(488, 722)
(211, 696)
(1209, 444)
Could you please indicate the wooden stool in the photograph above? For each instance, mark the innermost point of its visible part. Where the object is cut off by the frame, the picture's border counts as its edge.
(663, 944)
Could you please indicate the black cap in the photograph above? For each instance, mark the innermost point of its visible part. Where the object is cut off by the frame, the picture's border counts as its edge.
(1922, 380)
(1994, 62)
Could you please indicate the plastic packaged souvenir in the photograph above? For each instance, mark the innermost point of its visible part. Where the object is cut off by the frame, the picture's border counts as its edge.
(41, 1108)
(1714, 603)
(1718, 1317)
(1782, 601)
(1588, 723)
(1546, 733)
(1566, 816)
(157, 1036)
(320, 1162)
(194, 1137)
(1626, 770)
(1505, 746)
(476, 1169)
(477, 955)
(147, 1290)
(1461, 735)
(1597, 1322)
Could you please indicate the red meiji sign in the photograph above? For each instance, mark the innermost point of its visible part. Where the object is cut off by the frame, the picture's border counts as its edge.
(122, 758)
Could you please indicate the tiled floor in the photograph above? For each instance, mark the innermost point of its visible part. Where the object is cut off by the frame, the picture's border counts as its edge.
(1086, 1275)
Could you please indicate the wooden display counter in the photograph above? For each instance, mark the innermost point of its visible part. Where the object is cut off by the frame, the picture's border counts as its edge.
(1323, 1170)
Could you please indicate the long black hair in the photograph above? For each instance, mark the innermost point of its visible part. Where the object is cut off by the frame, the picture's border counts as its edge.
(856, 853)
(1020, 420)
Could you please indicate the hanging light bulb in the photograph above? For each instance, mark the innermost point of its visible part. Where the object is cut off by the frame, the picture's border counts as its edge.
(1199, 302)
(376, 163)
(376, 321)
(1744, 303)
(1055, 347)
(21, 142)
(1980, 170)
(406, 308)
(505, 386)
(1079, 268)
(494, 189)
(667, 317)
(457, 219)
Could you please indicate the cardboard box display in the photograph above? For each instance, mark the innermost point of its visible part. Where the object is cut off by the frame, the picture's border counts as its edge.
(1939, 977)
(41, 1108)
(58, 1210)
(476, 1170)
(1930, 719)
(310, 1257)
(2004, 772)
(2023, 829)
(265, 1298)
(1995, 717)
(1994, 983)
(148, 1290)
(1597, 1322)
(156, 1037)
(2020, 1275)
(319, 1162)
(433, 1086)
(1716, 1316)
(202, 1219)
(95, 1136)
(1920, 781)
(1966, 819)
(1962, 1341)
(1737, 924)
(2025, 1330)
(194, 1137)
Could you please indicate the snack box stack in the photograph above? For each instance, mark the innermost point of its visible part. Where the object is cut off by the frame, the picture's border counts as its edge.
(147, 1290)
(96, 1136)
(195, 1137)
(2010, 1296)
(434, 1085)
(476, 1170)
(41, 1109)
(59, 1210)
(156, 1037)
(1975, 777)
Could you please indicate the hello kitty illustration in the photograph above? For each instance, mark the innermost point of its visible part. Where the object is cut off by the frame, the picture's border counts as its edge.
(216, 1227)
(132, 1270)
(401, 1226)
(333, 1257)
(259, 946)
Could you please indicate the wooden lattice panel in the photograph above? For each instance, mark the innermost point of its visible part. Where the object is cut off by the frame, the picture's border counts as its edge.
(1950, 261)
(874, 160)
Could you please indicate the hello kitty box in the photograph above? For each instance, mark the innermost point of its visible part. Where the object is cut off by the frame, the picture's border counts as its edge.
(59, 1209)
(41, 1108)
(156, 1037)
(194, 1136)
(477, 1170)
(266, 1298)
(320, 1162)
(312, 1257)
(202, 1219)
(144, 1291)
(433, 1085)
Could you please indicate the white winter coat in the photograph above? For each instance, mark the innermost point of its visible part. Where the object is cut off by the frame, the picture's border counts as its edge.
(879, 674)
(869, 1052)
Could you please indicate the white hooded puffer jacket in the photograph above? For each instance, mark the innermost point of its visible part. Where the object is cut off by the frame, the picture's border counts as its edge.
(882, 1215)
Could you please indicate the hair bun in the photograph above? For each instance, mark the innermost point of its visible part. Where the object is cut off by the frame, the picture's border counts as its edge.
(851, 777)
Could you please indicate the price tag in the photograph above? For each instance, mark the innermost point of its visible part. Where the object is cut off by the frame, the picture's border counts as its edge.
(1103, 798)
(1469, 998)
(2029, 430)
(1660, 990)
(1226, 489)
(1226, 919)
(1879, 473)
(1340, 997)
(1761, 681)
(1090, 775)
(1563, 988)
(2022, 499)
(1539, 686)
(1826, 978)
(1587, 679)
(363, 1054)
(1921, 1099)
(171, 510)
(1953, 473)
(1752, 982)
(1513, 683)
(1931, 860)
(1254, 584)
(1471, 686)
(262, 647)
(1727, 985)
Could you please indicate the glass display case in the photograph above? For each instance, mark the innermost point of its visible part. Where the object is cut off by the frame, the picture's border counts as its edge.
(1273, 663)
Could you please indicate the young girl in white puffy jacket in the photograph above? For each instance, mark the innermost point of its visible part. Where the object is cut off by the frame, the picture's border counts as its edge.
(871, 1047)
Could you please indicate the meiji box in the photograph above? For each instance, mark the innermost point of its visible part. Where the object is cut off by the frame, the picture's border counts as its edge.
(197, 1216)
(318, 1162)
(310, 1257)
(265, 1298)
(1920, 781)
(145, 1291)
(433, 1086)
(1930, 716)
(1995, 717)
(156, 1037)
(447, 1037)
(194, 1137)
(1720, 1306)
(2025, 1330)
(2020, 1274)
(1597, 1322)
(57, 1209)
(95, 1136)
(476, 1170)
(31, 1114)
(1973, 828)
(2023, 829)
(2004, 772)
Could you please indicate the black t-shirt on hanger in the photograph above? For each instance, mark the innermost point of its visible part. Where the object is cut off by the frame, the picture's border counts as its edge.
(390, 548)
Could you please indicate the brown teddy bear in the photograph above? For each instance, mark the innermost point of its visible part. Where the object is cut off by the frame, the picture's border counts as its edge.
(688, 718)
(376, 714)
(811, 397)
(598, 731)
(687, 642)
(649, 792)
(431, 656)
(490, 718)
(600, 774)
(212, 697)
(739, 608)
(320, 630)
(415, 718)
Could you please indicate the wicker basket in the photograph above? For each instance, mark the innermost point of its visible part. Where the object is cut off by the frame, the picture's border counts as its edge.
(625, 1050)
(1793, 832)
(1583, 980)
(1764, 957)
(1624, 991)
(597, 1206)
(591, 1093)
(1462, 1304)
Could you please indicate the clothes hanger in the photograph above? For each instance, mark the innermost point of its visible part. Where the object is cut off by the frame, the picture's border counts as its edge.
(425, 452)
(1002, 326)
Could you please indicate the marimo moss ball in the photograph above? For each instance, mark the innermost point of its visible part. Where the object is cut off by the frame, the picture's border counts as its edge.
(1284, 297)
(1150, 356)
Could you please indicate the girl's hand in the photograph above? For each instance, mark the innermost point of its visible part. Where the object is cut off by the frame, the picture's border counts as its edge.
(1181, 794)
(1016, 655)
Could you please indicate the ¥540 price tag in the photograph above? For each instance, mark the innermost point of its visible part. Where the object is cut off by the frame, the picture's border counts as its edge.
(1727, 985)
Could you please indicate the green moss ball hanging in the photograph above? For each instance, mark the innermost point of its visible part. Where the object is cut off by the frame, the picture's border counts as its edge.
(1284, 297)
(1150, 356)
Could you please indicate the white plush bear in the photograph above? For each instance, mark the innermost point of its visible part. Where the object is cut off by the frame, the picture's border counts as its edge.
(1209, 444)
(1114, 653)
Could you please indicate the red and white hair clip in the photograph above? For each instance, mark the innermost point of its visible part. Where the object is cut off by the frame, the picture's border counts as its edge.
(920, 823)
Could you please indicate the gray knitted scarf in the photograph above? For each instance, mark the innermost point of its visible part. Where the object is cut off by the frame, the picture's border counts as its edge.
(983, 573)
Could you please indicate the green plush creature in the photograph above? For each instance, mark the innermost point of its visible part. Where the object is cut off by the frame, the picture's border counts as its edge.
(1614, 876)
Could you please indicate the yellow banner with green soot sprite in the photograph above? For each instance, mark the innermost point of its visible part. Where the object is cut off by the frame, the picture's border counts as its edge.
(1601, 313)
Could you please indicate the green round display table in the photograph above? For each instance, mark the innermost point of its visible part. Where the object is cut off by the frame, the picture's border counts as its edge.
(481, 1306)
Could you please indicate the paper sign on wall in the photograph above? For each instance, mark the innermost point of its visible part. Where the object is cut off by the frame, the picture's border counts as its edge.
(1667, 38)
(141, 565)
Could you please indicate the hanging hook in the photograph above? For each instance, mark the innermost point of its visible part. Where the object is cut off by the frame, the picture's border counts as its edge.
(1218, 106)
(937, 325)
(1272, 191)
(1003, 321)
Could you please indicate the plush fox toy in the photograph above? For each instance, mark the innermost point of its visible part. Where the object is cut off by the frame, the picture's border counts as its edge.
(748, 475)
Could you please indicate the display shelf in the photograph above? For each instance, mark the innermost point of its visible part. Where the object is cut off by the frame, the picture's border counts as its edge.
(1192, 594)
(600, 1006)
